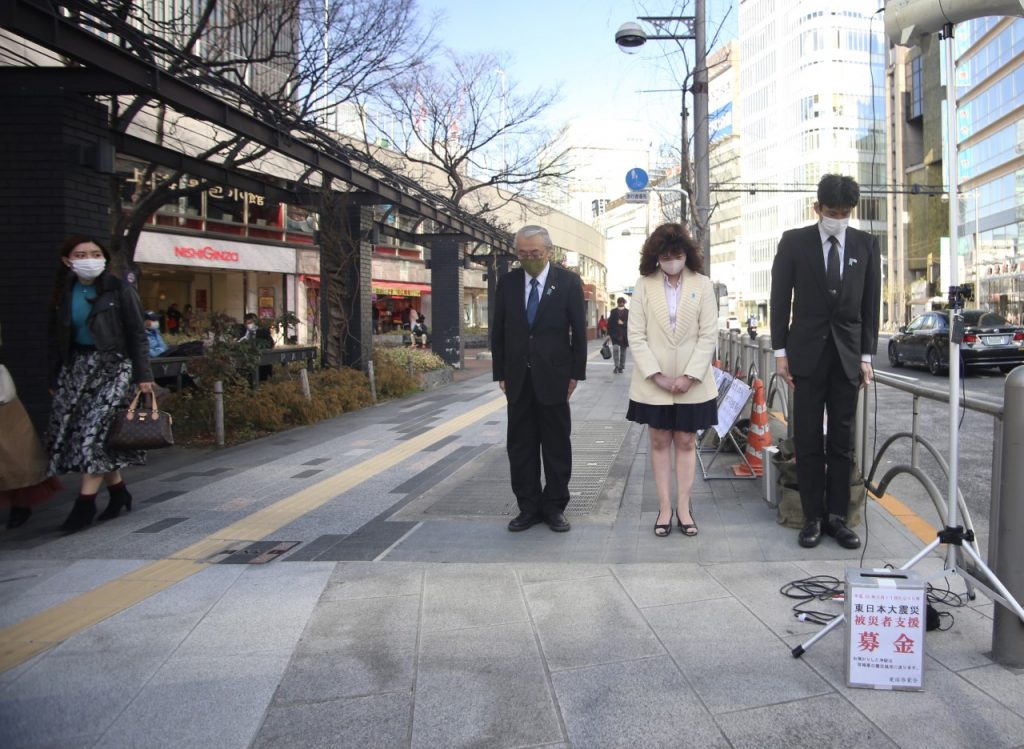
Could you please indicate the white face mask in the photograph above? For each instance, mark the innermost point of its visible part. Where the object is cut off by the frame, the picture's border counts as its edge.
(88, 268)
(672, 267)
(153, 324)
(250, 326)
(833, 227)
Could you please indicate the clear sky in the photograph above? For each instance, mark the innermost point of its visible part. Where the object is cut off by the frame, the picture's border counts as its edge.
(571, 43)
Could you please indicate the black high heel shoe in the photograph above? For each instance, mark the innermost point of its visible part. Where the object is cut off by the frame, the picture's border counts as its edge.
(687, 529)
(663, 530)
(118, 498)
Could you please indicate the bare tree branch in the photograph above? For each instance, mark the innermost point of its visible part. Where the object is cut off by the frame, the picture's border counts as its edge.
(465, 123)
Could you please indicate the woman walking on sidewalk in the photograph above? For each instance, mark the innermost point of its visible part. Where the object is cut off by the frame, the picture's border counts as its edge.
(99, 349)
(672, 331)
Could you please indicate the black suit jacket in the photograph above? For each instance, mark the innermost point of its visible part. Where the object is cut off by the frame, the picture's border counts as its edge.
(798, 287)
(554, 350)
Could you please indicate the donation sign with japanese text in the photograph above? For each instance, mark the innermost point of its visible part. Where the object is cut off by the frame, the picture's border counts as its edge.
(885, 612)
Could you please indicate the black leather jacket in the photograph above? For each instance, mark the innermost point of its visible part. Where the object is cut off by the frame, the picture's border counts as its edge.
(115, 323)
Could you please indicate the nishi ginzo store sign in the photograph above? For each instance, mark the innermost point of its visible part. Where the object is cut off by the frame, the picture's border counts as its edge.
(204, 252)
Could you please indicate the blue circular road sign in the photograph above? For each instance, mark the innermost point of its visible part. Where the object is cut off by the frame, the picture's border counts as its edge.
(636, 178)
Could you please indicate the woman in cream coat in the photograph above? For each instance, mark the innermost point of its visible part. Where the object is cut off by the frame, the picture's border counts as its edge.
(673, 322)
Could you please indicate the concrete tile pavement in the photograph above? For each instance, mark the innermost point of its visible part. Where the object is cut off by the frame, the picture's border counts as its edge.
(462, 634)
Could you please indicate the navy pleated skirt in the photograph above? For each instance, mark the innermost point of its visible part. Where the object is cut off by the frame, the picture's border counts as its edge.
(679, 417)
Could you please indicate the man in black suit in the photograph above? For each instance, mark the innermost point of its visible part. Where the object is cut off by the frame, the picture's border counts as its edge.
(829, 276)
(539, 349)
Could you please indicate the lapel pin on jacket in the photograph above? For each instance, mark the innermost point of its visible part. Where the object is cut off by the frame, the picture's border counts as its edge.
(550, 289)
(853, 261)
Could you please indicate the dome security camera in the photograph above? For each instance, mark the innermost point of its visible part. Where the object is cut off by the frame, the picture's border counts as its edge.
(630, 37)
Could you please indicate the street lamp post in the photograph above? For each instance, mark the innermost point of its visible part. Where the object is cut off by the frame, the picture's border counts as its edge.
(630, 37)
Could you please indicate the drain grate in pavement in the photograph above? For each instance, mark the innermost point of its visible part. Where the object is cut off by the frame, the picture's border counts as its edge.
(258, 552)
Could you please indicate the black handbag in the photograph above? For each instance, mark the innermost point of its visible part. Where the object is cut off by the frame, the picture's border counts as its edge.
(606, 350)
(140, 428)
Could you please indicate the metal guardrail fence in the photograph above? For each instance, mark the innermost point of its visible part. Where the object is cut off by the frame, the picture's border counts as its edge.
(739, 353)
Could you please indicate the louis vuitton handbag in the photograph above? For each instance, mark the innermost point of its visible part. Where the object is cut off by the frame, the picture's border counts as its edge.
(140, 427)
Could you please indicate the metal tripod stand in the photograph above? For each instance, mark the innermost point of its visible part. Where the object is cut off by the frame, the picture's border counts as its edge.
(953, 535)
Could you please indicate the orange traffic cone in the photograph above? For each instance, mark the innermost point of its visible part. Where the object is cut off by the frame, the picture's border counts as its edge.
(758, 437)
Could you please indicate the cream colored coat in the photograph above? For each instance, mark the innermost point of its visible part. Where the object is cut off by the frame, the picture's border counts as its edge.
(686, 350)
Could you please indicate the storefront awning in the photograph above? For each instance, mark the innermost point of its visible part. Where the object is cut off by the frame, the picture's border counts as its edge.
(400, 288)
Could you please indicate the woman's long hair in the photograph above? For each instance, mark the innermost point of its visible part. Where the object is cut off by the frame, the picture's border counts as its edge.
(671, 239)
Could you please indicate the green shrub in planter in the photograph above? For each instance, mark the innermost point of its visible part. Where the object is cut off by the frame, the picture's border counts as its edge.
(409, 359)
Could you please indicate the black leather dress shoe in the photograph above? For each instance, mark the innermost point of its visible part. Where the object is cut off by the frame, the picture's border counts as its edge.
(523, 520)
(842, 533)
(810, 535)
(556, 521)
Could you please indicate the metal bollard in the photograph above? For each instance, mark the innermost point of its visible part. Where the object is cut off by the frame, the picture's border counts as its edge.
(218, 412)
(770, 490)
(304, 381)
(373, 381)
(1007, 521)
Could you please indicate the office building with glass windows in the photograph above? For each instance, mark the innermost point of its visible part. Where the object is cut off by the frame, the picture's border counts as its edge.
(812, 102)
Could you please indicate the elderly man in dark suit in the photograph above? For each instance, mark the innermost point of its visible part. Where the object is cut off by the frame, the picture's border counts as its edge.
(539, 349)
(829, 276)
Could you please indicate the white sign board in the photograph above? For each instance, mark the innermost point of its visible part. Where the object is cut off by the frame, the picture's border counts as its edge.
(885, 626)
(732, 397)
(206, 252)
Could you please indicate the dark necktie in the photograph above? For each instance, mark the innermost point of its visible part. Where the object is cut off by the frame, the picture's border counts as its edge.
(532, 302)
(832, 277)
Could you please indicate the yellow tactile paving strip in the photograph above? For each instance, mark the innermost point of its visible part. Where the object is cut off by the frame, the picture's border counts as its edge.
(914, 523)
(31, 636)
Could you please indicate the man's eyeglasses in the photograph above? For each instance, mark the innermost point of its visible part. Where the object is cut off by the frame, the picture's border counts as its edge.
(536, 255)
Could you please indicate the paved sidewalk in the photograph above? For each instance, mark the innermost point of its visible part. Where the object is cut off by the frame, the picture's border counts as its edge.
(398, 611)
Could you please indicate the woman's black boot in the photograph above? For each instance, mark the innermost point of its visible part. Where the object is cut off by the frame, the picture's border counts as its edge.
(119, 497)
(81, 515)
(18, 517)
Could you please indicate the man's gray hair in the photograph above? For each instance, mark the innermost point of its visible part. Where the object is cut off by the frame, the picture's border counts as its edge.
(532, 230)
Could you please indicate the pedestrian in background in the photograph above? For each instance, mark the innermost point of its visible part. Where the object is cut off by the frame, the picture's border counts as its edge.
(828, 276)
(99, 350)
(602, 327)
(672, 331)
(420, 332)
(618, 332)
(23, 479)
(173, 319)
(255, 333)
(539, 350)
(156, 342)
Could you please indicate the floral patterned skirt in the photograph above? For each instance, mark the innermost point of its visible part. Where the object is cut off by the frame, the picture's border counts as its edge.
(89, 390)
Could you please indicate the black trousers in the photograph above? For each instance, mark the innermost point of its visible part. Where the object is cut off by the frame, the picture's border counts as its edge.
(823, 463)
(537, 431)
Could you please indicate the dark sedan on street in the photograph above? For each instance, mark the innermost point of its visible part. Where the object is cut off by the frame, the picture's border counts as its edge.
(989, 341)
